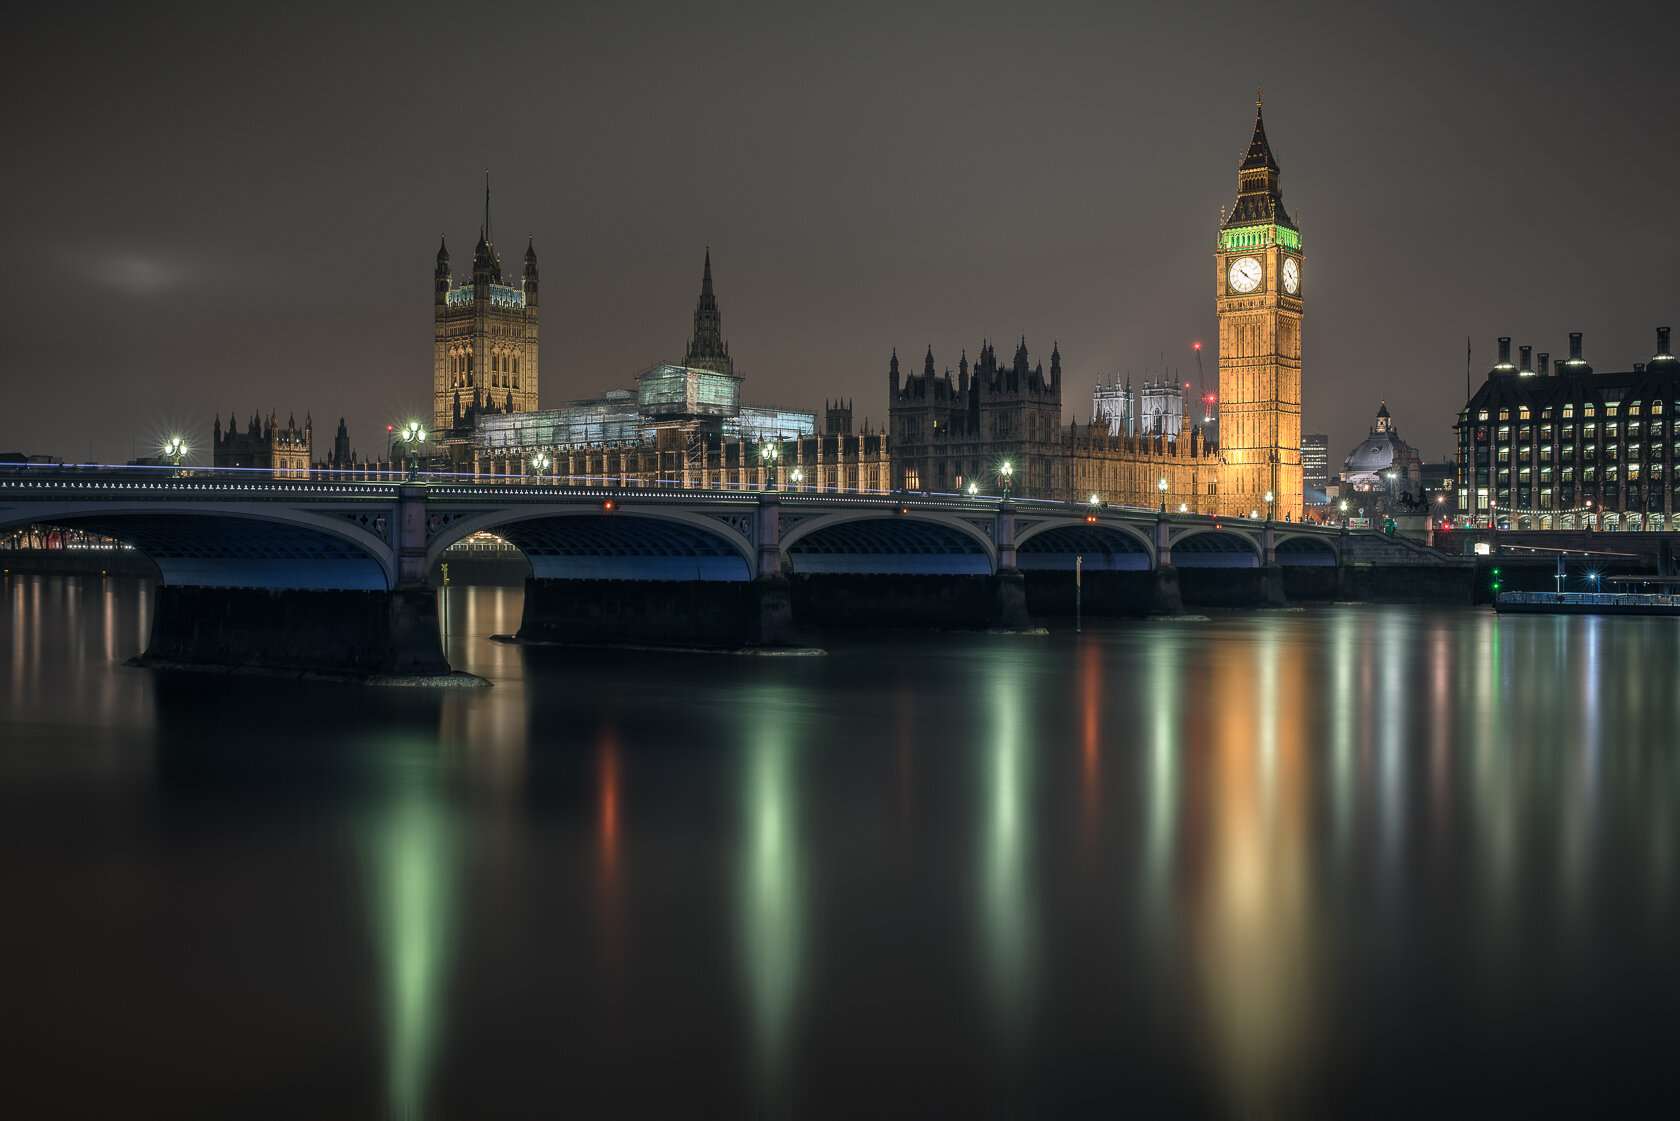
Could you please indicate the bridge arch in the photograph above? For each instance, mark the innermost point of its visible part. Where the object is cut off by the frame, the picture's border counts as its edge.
(1106, 547)
(628, 542)
(885, 541)
(1215, 548)
(1305, 550)
(219, 545)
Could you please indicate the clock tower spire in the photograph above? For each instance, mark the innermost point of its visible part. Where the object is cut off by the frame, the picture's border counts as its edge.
(1258, 295)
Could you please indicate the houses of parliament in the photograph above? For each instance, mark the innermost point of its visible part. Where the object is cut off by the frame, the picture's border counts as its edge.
(686, 424)
(952, 433)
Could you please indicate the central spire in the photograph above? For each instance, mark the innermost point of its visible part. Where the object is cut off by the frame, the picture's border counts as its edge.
(484, 253)
(707, 350)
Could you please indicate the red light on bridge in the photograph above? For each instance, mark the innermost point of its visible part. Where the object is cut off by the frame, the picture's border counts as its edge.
(904, 509)
(608, 504)
(1091, 519)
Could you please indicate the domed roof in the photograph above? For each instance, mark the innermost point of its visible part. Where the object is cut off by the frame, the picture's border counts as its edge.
(1375, 454)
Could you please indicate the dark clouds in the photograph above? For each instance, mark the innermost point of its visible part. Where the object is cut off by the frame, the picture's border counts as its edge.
(206, 207)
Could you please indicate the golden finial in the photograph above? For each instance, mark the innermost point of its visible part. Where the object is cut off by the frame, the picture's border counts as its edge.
(1257, 98)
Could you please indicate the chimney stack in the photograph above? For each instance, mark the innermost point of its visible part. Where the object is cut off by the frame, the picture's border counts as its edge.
(1527, 351)
(1574, 346)
(1505, 350)
(1545, 363)
(1662, 342)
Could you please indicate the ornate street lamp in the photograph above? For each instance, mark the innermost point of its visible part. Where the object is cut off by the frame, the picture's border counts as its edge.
(540, 463)
(1006, 478)
(973, 488)
(796, 478)
(175, 448)
(1268, 505)
(1162, 487)
(767, 455)
(413, 436)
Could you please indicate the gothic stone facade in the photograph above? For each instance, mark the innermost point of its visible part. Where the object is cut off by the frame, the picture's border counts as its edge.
(948, 436)
(484, 343)
(1258, 283)
(708, 440)
(286, 451)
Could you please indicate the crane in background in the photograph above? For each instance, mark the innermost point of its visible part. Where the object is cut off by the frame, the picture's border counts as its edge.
(1208, 399)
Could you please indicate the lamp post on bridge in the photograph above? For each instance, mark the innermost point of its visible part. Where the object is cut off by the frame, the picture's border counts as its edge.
(767, 455)
(540, 463)
(413, 436)
(175, 448)
(1006, 478)
(1162, 487)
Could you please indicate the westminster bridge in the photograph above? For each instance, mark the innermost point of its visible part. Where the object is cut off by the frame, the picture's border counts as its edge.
(317, 574)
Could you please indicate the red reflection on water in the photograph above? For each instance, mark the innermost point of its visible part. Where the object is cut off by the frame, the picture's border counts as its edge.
(1090, 705)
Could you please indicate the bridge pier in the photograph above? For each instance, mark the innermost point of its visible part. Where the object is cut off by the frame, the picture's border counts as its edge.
(1009, 587)
(369, 634)
(1168, 600)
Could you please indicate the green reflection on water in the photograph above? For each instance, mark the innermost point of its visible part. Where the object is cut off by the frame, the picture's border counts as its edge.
(410, 851)
(1161, 810)
(772, 894)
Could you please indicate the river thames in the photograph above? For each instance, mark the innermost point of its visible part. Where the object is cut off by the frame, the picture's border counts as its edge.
(1343, 861)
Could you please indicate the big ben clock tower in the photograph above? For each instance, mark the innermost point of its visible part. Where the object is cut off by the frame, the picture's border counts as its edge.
(1259, 283)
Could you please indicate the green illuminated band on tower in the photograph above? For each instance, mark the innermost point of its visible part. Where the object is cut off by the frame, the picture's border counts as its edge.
(1252, 237)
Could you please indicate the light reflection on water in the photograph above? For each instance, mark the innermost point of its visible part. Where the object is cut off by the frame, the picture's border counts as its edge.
(1284, 863)
(411, 852)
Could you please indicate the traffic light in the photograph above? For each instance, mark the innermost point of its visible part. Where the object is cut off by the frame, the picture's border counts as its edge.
(1496, 581)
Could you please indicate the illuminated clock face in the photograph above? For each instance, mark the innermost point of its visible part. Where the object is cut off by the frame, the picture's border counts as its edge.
(1291, 276)
(1245, 274)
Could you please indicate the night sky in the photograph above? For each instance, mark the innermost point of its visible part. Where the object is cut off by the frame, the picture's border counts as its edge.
(225, 207)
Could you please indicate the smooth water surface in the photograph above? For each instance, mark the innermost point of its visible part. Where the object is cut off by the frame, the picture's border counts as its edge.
(1349, 861)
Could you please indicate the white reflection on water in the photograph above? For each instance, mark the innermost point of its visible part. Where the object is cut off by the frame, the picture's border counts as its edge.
(1006, 831)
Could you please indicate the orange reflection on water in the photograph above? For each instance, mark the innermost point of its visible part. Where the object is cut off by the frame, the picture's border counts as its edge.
(611, 902)
(608, 800)
(1251, 908)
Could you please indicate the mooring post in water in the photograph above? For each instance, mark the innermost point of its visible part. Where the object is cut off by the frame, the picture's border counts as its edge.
(1078, 568)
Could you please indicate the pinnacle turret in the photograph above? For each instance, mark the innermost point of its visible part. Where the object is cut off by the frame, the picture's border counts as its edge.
(1259, 189)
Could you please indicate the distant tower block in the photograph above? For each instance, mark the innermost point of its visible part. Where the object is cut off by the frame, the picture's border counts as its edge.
(1258, 289)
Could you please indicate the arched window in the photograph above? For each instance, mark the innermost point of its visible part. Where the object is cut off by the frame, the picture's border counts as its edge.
(516, 364)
